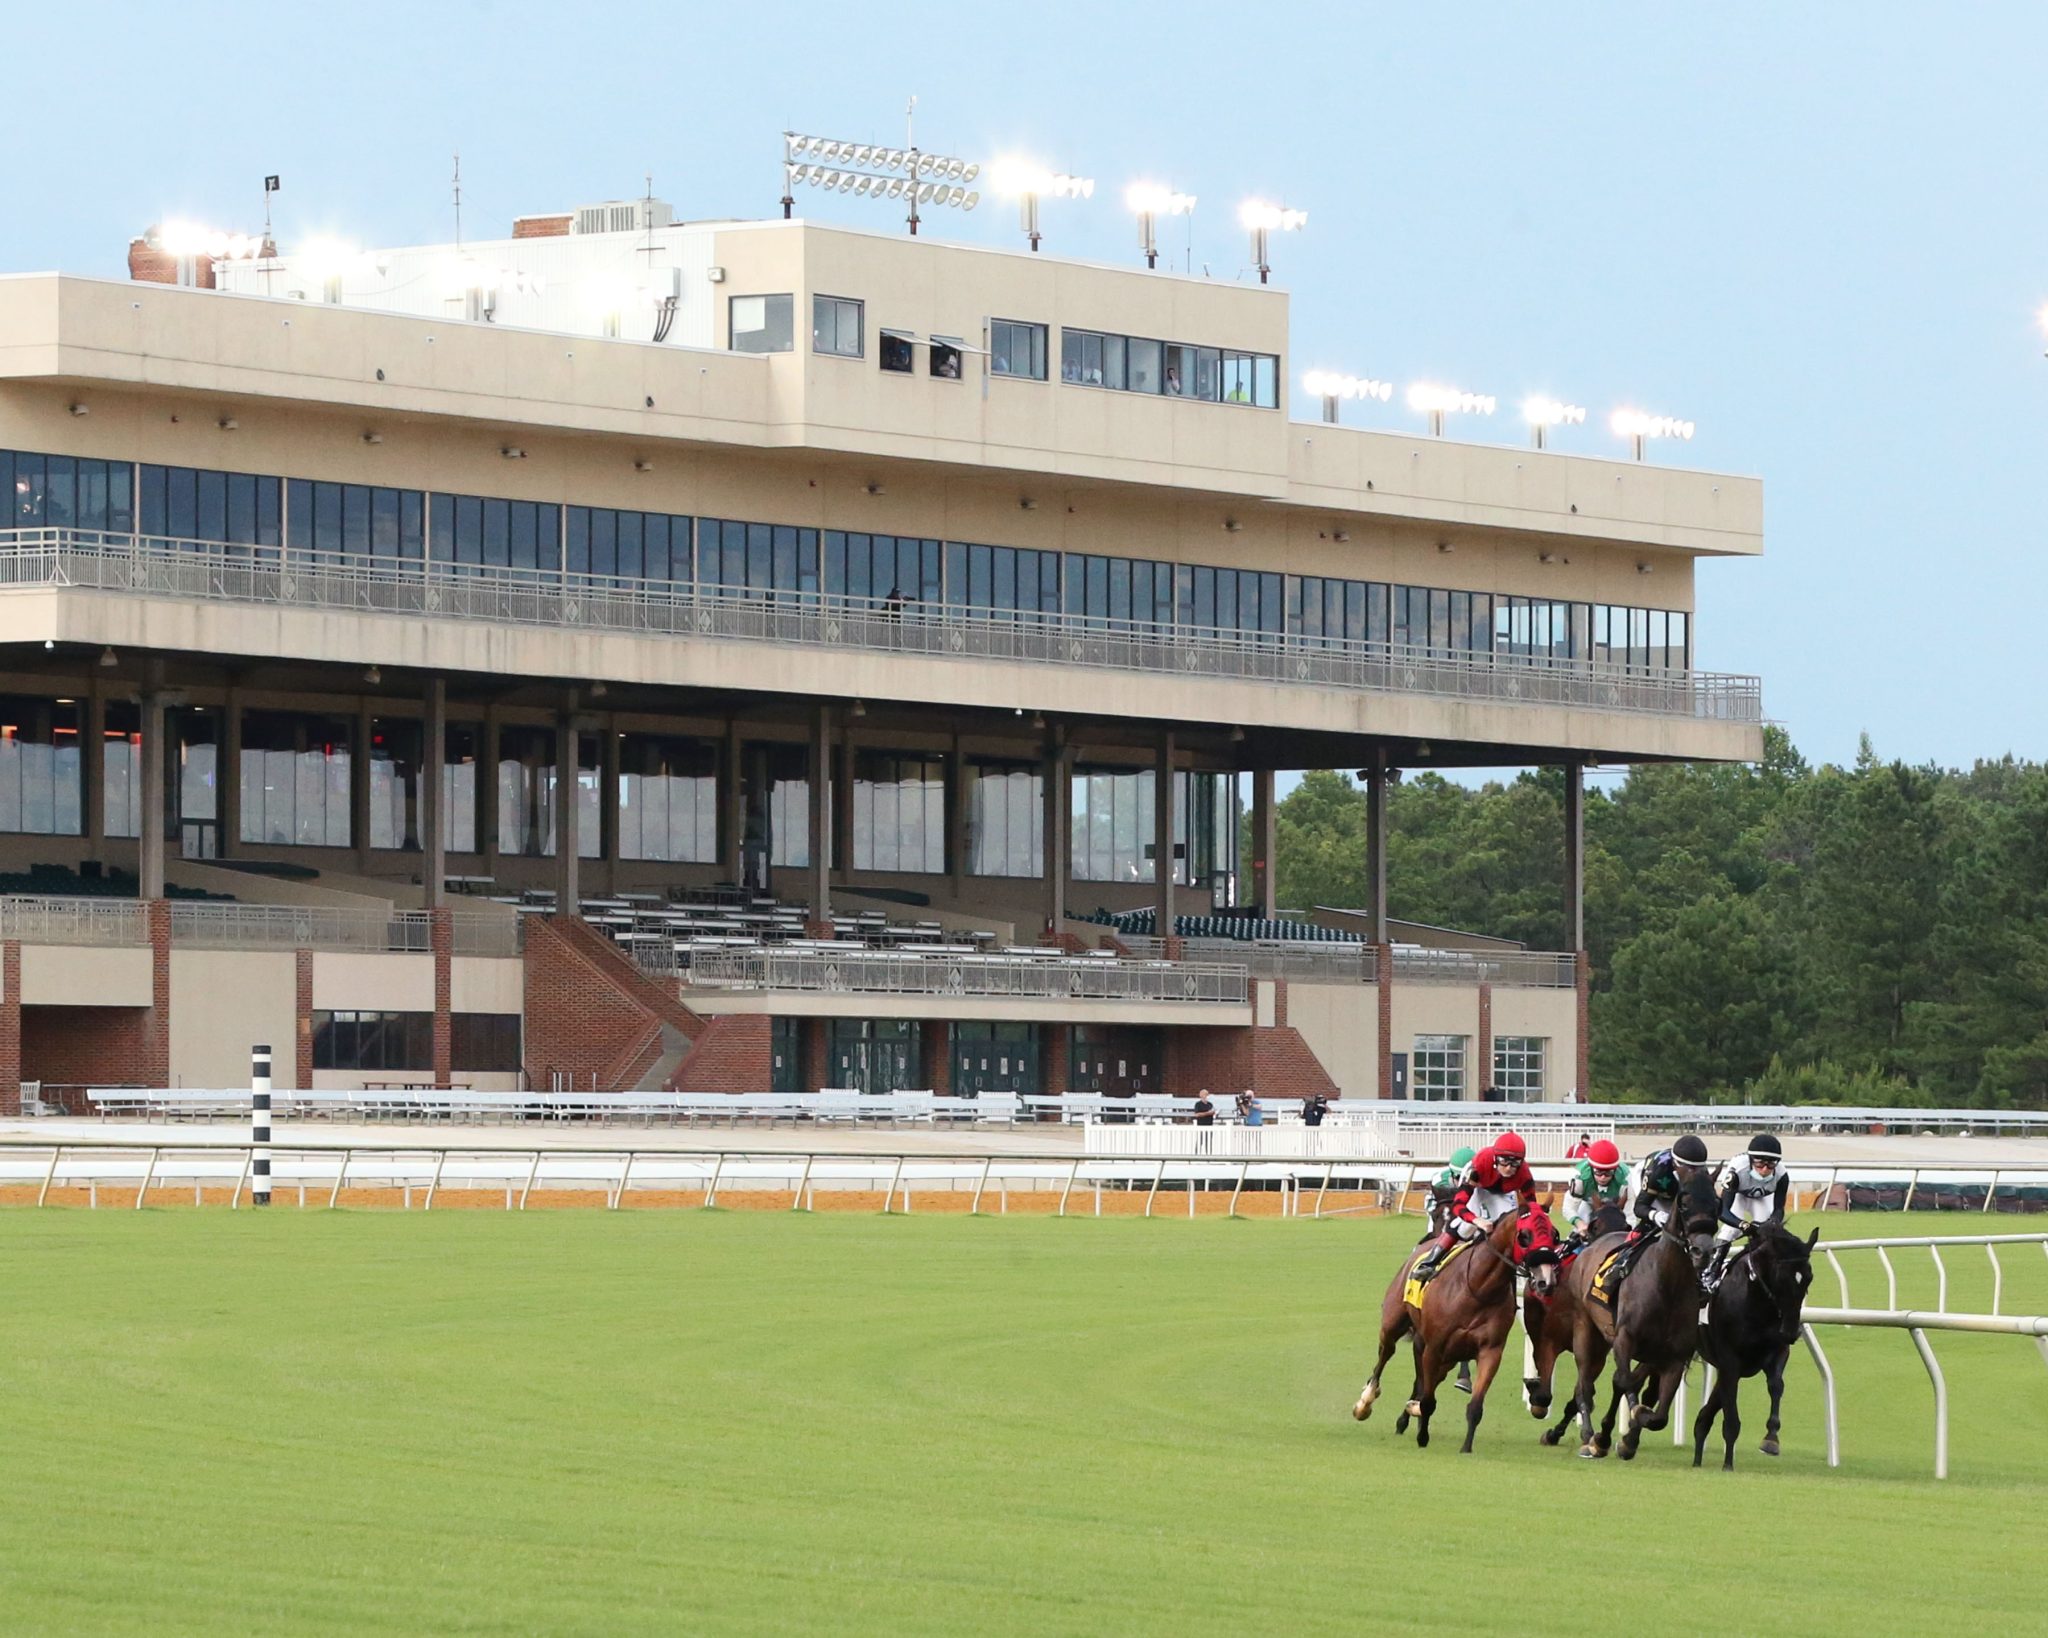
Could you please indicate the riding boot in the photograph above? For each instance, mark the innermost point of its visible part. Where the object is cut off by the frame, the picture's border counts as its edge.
(1710, 1276)
(1427, 1266)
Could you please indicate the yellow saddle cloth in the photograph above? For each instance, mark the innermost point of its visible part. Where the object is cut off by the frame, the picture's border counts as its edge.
(1412, 1291)
(1603, 1276)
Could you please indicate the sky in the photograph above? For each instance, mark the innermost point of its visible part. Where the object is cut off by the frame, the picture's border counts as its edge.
(1818, 231)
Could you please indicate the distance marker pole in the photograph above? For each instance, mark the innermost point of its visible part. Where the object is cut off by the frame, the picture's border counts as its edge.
(259, 1125)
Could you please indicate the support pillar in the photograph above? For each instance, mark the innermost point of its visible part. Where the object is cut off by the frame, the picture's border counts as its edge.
(1265, 872)
(608, 791)
(1376, 848)
(935, 1056)
(1574, 857)
(1484, 1042)
(1053, 779)
(1383, 966)
(816, 1055)
(842, 804)
(92, 770)
(154, 768)
(1055, 1063)
(568, 803)
(818, 770)
(487, 792)
(956, 818)
(1582, 982)
(10, 1027)
(441, 934)
(359, 785)
(1162, 836)
(227, 777)
(433, 797)
(732, 807)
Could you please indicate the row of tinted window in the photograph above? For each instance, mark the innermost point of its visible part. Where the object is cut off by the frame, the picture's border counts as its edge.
(65, 492)
(1090, 358)
(478, 1041)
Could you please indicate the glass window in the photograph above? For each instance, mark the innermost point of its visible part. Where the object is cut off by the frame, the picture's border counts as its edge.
(668, 799)
(1518, 1067)
(1251, 378)
(1005, 819)
(946, 357)
(836, 326)
(1143, 369)
(484, 1042)
(39, 767)
(763, 324)
(899, 813)
(295, 779)
(374, 1040)
(1017, 348)
(1436, 1068)
(897, 353)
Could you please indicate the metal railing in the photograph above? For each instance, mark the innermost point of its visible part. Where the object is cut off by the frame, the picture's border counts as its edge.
(1934, 1245)
(891, 972)
(1507, 969)
(158, 566)
(55, 919)
(1281, 958)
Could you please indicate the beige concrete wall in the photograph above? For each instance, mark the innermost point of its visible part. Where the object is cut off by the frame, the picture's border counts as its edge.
(225, 1001)
(351, 982)
(484, 984)
(1434, 1009)
(66, 975)
(1340, 1023)
(1552, 1015)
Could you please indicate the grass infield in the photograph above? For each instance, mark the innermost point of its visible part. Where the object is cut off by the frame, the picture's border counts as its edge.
(741, 1422)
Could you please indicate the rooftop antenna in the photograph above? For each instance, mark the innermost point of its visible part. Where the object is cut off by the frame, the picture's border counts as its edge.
(458, 199)
(269, 187)
(910, 143)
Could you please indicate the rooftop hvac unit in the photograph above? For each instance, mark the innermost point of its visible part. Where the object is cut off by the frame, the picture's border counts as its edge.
(625, 216)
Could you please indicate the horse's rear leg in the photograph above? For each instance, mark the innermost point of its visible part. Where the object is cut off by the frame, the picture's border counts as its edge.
(1413, 1408)
(1731, 1424)
(1703, 1423)
(1489, 1362)
(1624, 1388)
(1774, 1377)
(1390, 1336)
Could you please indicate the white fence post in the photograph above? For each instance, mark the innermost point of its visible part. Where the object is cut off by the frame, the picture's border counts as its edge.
(1827, 1383)
(1940, 1401)
(259, 1124)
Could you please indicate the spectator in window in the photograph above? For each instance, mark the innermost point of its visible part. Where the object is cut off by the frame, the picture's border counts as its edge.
(998, 364)
(1205, 1111)
(1173, 381)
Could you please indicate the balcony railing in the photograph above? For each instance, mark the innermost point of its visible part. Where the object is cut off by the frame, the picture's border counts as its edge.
(156, 566)
(206, 924)
(881, 972)
(1320, 963)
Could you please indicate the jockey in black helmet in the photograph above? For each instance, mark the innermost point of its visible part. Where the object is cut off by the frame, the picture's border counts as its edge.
(1753, 1189)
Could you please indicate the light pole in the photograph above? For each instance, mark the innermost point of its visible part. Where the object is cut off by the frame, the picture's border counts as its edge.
(1262, 220)
(1330, 388)
(1544, 413)
(1639, 428)
(1152, 200)
(1437, 402)
(1027, 183)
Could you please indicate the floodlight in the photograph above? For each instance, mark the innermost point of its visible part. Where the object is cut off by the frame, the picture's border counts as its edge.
(1261, 218)
(1436, 402)
(1640, 428)
(871, 171)
(1027, 182)
(1152, 200)
(1330, 387)
(1544, 413)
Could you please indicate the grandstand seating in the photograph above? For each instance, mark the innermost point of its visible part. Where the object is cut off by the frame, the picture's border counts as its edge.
(61, 881)
(1145, 923)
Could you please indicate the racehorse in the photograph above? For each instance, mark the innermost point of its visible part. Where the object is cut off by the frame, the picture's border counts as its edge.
(1547, 1322)
(1467, 1312)
(1656, 1323)
(1752, 1322)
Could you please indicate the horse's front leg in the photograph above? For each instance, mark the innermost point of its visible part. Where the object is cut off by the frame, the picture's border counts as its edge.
(1539, 1361)
(1623, 1393)
(1731, 1422)
(1489, 1362)
(1436, 1365)
(1413, 1408)
(1703, 1422)
(1390, 1337)
(1774, 1377)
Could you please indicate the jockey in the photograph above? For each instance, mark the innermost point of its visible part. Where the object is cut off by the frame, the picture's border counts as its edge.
(1664, 1177)
(1753, 1188)
(1443, 1188)
(1497, 1184)
(1601, 1180)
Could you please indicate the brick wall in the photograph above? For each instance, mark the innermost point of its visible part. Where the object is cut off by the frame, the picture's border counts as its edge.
(149, 265)
(1286, 1066)
(88, 1046)
(734, 1053)
(541, 227)
(156, 1067)
(1485, 1041)
(1195, 1057)
(591, 1014)
(302, 1027)
(1054, 1066)
(816, 1066)
(935, 1056)
(1383, 961)
(441, 934)
(10, 1027)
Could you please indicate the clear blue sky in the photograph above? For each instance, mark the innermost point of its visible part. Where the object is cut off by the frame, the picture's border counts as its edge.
(1819, 231)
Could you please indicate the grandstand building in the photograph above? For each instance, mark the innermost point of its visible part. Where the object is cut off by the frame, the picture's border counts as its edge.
(771, 656)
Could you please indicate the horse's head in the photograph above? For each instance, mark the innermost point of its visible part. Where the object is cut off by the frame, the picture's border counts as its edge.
(1782, 1268)
(1535, 1250)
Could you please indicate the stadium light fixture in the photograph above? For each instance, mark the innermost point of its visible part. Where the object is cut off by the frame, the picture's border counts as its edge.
(1544, 413)
(1639, 428)
(1331, 387)
(1437, 402)
(1262, 219)
(1152, 200)
(1028, 182)
(872, 171)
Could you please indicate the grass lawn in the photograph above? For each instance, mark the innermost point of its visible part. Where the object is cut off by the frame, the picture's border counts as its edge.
(674, 1421)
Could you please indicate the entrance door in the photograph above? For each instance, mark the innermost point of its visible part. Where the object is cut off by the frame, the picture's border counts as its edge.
(875, 1056)
(994, 1058)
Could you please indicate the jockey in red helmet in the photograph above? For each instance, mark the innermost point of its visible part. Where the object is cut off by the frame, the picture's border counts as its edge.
(1497, 1184)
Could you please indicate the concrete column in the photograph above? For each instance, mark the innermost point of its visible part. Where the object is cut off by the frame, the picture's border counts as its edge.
(1058, 863)
(1582, 982)
(1574, 856)
(956, 818)
(359, 784)
(568, 880)
(1265, 864)
(433, 797)
(154, 768)
(487, 792)
(1483, 1068)
(732, 808)
(818, 771)
(1376, 846)
(1162, 835)
(1383, 964)
(842, 804)
(227, 776)
(608, 791)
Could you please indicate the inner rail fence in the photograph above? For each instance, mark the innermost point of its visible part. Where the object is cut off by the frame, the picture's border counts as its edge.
(212, 571)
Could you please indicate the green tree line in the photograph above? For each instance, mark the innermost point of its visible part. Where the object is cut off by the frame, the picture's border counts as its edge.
(1876, 933)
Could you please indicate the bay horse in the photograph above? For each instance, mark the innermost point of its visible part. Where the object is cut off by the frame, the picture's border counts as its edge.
(1467, 1311)
(1752, 1322)
(1548, 1320)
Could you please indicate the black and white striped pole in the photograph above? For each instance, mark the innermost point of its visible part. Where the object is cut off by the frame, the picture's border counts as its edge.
(259, 1125)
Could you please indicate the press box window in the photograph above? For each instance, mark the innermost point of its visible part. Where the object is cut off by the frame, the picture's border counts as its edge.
(1016, 349)
(763, 324)
(946, 357)
(899, 352)
(835, 326)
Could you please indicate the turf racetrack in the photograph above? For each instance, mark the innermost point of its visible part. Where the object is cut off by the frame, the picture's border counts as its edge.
(702, 1421)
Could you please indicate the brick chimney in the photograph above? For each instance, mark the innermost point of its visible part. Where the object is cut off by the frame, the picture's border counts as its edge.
(150, 263)
(541, 227)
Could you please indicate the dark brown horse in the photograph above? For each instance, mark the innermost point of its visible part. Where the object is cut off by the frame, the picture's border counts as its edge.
(1467, 1312)
(1548, 1321)
(1752, 1322)
(1650, 1330)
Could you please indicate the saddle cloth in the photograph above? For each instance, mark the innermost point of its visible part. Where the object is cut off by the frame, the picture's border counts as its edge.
(1412, 1292)
(1602, 1290)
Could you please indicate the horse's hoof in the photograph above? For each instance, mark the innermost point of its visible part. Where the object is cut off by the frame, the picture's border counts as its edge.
(1361, 1410)
(1422, 1438)
(1547, 1437)
(1603, 1443)
(1769, 1447)
(1591, 1453)
(1401, 1423)
(1628, 1450)
(1728, 1465)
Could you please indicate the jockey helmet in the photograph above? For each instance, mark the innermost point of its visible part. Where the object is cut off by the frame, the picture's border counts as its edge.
(1462, 1157)
(1509, 1144)
(1690, 1150)
(1483, 1164)
(1604, 1156)
(1765, 1146)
